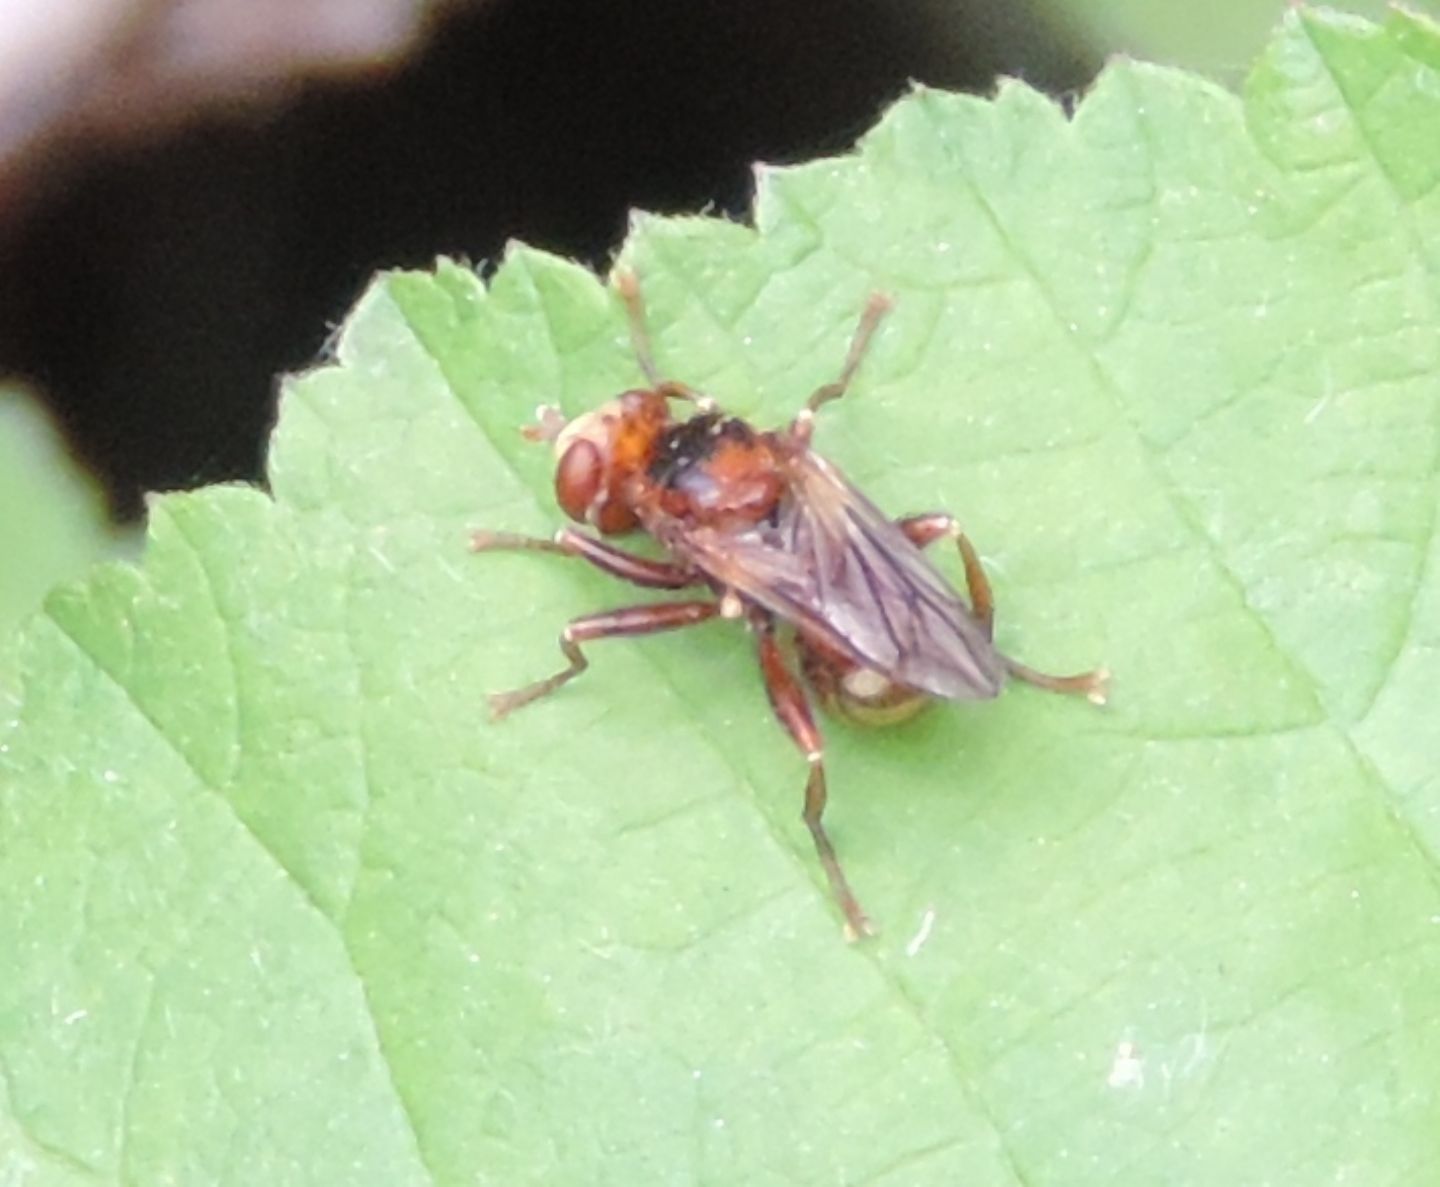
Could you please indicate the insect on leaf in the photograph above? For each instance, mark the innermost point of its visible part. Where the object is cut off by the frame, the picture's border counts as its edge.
(279, 905)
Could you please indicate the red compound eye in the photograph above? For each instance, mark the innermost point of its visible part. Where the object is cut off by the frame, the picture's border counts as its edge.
(580, 491)
(578, 478)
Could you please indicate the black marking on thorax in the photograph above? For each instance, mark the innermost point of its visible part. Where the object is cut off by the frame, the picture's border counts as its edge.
(689, 444)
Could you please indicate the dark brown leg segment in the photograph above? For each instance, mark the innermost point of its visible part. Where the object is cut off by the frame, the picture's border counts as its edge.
(924, 530)
(611, 624)
(788, 700)
(875, 310)
(637, 570)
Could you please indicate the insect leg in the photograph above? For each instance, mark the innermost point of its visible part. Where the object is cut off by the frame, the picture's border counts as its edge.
(924, 530)
(637, 570)
(609, 624)
(550, 422)
(875, 309)
(628, 286)
(1093, 686)
(788, 700)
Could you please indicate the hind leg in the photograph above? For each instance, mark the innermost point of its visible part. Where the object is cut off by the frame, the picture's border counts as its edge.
(788, 701)
(924, 530)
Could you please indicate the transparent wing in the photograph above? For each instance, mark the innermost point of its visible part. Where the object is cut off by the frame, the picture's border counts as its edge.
(834, 565)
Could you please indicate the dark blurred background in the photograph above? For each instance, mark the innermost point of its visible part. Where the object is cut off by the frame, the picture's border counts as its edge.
(181, 224)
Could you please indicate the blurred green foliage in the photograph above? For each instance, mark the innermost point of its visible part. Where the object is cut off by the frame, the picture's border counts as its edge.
(1220, 39)
(52, 515)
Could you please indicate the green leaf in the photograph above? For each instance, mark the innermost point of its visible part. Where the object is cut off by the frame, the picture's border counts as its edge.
(281, 906)
(53, 525)
(52, 515)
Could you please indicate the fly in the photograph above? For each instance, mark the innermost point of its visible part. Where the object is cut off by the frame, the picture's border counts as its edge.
(770, 532)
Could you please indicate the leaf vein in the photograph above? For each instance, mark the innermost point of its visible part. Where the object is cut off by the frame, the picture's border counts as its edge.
(1415, 252)
(1188, 517)
(271, 854)
(965, 1079)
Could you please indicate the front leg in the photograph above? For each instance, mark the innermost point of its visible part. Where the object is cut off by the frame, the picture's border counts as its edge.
(637, 570)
